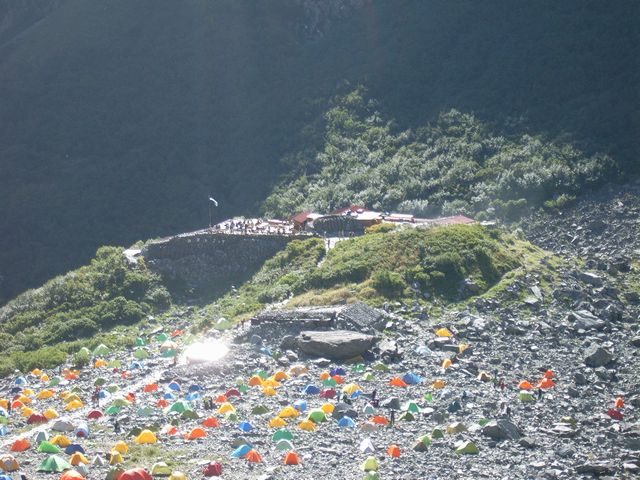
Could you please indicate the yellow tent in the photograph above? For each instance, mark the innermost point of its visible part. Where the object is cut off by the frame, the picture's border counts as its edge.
(327, 408)
(438, 384)
(44, 394)
(26, 412)
(61, 441)
(178, 476)
(226, 407)
(99, 363)
(270, 382)
(36, 372)
(269, 391)
(28, 392)
(351, 388)
(444, 332)
(4, 403)
(307, 425)
(44, 378)
(288, 412)
(24, 399)
(74, 405)
(78, 458)
(115, 458)
(121, 447)
(146, 436)
(280, 375)
(71, 397)
(276, 422)
(50, 414)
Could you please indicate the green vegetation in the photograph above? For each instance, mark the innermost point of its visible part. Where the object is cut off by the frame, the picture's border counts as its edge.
(394, 265)
(119, 121)
(457, 165)
(40, 327)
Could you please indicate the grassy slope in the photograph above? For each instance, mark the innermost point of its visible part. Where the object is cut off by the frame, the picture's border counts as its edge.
(120, 117)
(400, 265)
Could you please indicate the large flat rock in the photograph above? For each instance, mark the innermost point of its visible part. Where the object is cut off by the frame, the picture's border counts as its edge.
(336, 344)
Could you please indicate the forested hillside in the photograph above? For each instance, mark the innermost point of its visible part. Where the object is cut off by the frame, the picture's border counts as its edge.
(119, 118)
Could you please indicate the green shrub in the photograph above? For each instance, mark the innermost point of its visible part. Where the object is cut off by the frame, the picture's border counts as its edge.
(389, 284)
(380, 228)
(81, 359)
(559, 202)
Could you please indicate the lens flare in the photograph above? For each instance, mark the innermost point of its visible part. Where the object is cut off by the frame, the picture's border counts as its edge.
(207, 351)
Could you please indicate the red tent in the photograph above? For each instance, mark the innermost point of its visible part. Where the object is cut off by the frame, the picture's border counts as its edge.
(37, 418)
(94, 414)
(135, 474)
(330, 393)
(214, 469)
(232, 392)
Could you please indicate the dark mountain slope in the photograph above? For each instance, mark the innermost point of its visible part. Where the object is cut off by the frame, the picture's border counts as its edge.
(120, 117)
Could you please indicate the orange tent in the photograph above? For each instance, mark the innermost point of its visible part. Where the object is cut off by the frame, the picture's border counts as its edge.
(380, 420)
(253, 456)
(324, 376)
(195, 433)
(619, 403)
(17, 404)
(20, 445)
(548, 374)
(71, 475)
(221, 399)
(546, 383)
(291, 458)
(446, 363)
(152, 387)
(338, 379)
(169, 430)
(255, 381)
(393, 451)
(210, 422)
(525, 385)
(130, 397)
(162, 403)
(397, 382)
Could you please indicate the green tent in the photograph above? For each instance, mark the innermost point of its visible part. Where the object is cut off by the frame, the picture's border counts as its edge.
(115, 364)
(112, 388)
(259, 410)
(161, 337)
(179, 406)
(282, 434)
(239, 381)
(4, 420)
(359, 368)
(77, 390)
(231, 417)
(141, 354)
(140, 342)
(426, 439)
(112, 410)
(114, 473)
(120, 402)
(84, 351)
(381, 367)
(483, 421)
(189, 415)
(134, 432)
(525, 396)
(371, 476)
(317, 415)
(161, 469)
(243, 388)
(428, 397)
(223, 324)
(100, 381)
(101, 350)
(284, 445)
(46, 447)
(420, 446)
(411, 407)
(54, 381)
(467, 448)
(54, 463)
(367, 377)
(329, 382)
(169, 353)
(145, 411)
(407, 417)
(370, 464)
(261, 373)
(437, 433)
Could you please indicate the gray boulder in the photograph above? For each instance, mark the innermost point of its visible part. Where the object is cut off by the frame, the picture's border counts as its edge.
(336, 344)
(501, 430)
(597, 356)
(585, 320)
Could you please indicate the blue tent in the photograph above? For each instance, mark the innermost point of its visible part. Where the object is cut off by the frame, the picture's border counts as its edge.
(300, 405)
(135, 365)
(20, 381)
(192, 396)
(265, 351)
(346, 422)
(454, 407)
(3, 430)
(195, 388)
(169, 396)
(311, 390)
(5, 477)
(174, 386)
(241, 451)
(245, 426)
(74, 448)
(103, 393)
(411, 378)
(16, 390)
(337, 371)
